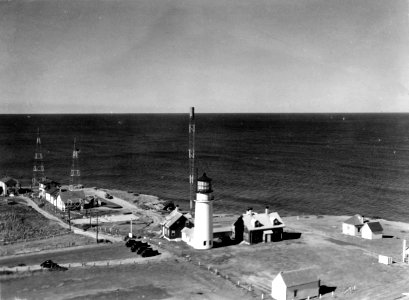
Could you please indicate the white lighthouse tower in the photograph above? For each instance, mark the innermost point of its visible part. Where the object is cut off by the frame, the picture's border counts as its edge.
(203, 230)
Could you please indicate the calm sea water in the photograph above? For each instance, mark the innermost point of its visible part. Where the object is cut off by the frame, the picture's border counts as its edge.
(294, 163)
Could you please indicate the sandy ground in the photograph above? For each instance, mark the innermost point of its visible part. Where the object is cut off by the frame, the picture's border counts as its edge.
(341, 262)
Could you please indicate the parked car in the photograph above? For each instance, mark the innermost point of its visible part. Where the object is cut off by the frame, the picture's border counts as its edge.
(137, 245)
(149, 253)
(131, 242)
(143, 248)
(52, 266)
(47, 264)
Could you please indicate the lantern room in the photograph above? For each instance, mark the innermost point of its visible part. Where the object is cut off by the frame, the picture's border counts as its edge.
(204, 184)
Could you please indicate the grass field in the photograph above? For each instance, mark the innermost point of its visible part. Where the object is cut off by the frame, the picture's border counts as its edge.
(19, 222)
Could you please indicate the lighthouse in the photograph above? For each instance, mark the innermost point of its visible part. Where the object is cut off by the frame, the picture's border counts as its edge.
(203, 229)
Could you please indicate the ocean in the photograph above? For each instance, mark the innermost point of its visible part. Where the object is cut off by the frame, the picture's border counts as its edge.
(337, 164)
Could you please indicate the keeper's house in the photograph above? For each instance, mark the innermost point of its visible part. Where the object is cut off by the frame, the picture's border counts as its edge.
(372, 231)
(299, 284)
(174, 223)
(353, 225)
(255, 228)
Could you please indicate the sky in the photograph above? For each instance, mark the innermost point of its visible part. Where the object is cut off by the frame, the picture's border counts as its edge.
(164, 56)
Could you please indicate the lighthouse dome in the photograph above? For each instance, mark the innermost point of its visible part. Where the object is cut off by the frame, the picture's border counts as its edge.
(204, 184)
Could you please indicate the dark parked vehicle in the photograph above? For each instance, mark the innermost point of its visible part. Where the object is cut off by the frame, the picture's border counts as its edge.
(49, 264)
(132, 242)
(149, 253)
(143, 248)
(136, 246)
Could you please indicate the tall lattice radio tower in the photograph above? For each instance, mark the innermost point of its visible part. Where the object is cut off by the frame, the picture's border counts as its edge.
(38, 168)
(75, 170)
(192, 177)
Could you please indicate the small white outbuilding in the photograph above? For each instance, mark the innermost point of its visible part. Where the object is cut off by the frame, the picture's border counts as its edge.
(299, 284)
(372, 231)
(353, 225)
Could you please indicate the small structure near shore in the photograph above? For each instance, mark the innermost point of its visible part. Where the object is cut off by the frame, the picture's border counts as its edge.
(372, 231)
(298, 284)
(353, 225)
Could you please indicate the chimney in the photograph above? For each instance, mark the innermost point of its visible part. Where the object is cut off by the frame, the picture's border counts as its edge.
(267, 212)
(177, 208)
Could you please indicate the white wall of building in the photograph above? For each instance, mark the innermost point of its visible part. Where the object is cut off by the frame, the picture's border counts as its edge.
(349, 229)
(368, 234)
(203, 230)
(4, 186)
(278, 288)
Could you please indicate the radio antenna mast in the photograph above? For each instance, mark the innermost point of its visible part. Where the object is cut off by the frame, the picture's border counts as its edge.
(192, 171)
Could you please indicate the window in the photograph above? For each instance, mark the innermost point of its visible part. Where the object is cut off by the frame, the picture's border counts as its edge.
(172, 233)
(210, 243)
(295, 293)
(204, 243)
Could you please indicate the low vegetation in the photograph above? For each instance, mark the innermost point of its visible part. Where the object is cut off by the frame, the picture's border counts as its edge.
(20, 222)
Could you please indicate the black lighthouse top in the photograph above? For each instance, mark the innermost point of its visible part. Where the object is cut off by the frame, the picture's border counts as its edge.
(204, 184)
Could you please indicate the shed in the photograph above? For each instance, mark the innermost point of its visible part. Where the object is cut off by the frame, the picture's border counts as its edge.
(256, 228)
(372, 230)
(353, 225)
(298, 284)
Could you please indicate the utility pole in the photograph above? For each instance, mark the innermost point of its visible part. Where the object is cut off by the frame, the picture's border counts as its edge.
(69, 217)
(192, 177)
(97, 227)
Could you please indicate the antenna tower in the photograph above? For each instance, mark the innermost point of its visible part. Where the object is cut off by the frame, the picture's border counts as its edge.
(192, 177)
(75, 171)
(38, 168)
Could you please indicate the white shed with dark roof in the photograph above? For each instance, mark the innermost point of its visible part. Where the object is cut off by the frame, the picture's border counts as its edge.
(298, 284)
(372, 230)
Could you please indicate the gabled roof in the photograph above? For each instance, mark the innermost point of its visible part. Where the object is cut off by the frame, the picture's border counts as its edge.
(262, 221)
(299, 277)
(9, 181)
(53, 191)
(375, 226)
(172, 218)
(355, 220)
(74, 196)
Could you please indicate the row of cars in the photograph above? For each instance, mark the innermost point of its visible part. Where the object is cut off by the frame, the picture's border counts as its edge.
(141, 248)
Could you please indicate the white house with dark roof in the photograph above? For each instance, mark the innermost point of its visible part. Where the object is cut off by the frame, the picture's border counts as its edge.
(72, 199)
(372, 230)
(9, 186)
(353, 225)
(298, 284)
(254, 227)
